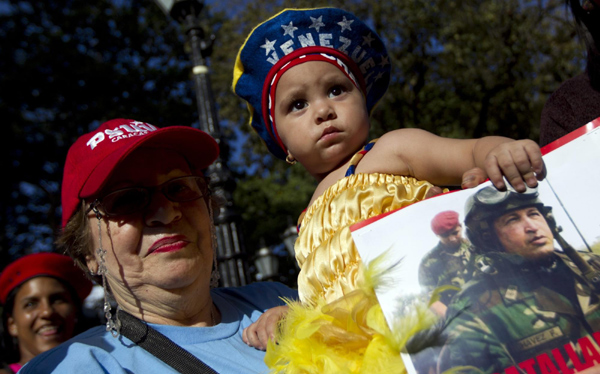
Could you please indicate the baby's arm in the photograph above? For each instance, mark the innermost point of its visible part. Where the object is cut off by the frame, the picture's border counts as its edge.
(447, 161)
(260, 332)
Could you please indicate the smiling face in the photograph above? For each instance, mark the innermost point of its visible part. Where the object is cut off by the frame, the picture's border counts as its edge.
(320, 115)
(161, 250)
(43, 316)
(525, 232)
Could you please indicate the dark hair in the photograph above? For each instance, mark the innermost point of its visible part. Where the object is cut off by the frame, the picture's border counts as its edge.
(9, 346)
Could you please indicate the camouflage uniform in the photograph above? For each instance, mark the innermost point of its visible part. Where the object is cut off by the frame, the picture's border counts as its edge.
(443, 266)
(513, 311)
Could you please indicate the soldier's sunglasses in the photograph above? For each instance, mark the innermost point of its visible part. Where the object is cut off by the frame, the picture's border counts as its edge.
(135, 199)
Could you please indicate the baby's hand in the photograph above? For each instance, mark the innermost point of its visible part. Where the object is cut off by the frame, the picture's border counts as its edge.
(258, 334)
(519, 161)
(473, 178)
(434, 191)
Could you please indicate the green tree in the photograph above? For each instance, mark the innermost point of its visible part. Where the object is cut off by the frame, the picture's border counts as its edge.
(460, 68)
(66, 67)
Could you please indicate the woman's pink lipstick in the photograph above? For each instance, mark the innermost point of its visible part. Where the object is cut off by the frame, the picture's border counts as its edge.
(169, 244)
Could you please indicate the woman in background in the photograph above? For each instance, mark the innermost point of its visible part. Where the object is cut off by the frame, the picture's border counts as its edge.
(41, 296)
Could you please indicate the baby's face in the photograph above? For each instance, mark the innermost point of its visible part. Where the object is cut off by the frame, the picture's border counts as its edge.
(320, 115)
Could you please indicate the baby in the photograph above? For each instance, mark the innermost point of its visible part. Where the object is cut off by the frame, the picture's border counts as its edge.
(311, 78)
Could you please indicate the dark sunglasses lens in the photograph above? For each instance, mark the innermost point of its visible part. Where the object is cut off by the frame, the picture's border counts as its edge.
(125, 201)
(184, 189)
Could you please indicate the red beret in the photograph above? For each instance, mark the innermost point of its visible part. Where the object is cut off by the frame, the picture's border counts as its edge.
(444, 222)
(43, 264)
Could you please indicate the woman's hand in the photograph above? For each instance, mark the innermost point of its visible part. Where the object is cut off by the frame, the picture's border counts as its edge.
(260, 332)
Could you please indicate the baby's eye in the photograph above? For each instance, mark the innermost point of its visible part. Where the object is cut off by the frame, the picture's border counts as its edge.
(297, 105)
(336, 91)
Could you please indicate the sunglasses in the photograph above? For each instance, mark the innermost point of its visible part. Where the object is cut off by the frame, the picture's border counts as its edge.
(135, 199)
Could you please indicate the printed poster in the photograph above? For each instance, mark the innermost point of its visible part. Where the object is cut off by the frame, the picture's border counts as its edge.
(516, 288)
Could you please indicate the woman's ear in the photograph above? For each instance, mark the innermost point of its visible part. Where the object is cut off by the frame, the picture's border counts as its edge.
(13, 330)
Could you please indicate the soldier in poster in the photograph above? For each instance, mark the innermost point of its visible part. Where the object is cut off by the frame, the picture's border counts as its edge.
(530, 308)
(449, 265)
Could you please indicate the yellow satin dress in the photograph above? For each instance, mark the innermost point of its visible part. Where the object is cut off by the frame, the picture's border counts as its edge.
(338, 327)
(325, 251)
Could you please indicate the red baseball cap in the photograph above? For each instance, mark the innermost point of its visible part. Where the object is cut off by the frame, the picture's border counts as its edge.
(444, 222)
(40, 265)
(95, 155)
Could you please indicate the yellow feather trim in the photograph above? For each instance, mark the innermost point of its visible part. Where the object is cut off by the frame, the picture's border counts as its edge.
(349, 335)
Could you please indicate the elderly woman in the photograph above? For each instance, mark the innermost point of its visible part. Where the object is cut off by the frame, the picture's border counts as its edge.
(137, 215)
(41, 296)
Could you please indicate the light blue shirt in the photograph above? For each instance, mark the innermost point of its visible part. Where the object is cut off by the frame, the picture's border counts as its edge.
(220, 347)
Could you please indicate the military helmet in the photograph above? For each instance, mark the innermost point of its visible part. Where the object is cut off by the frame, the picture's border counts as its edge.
(486, 205)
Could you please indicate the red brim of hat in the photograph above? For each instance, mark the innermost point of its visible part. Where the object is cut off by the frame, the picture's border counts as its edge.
(199, 149)
(43, 265)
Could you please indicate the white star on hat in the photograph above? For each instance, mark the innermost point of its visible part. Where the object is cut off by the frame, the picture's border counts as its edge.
(384, 61)
(368, 39)
(289, 29)
(345, 24)
(317, 23)
(268, 46)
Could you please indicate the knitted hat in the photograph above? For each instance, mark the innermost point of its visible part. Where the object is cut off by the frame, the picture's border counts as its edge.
(41, 265)
(444, 222)
(293, 33)
(95, 155)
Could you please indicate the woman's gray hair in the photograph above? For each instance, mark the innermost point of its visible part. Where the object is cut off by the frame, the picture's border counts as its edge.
(75, 240)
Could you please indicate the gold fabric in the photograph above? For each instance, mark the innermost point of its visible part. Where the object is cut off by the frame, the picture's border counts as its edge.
(325, 251)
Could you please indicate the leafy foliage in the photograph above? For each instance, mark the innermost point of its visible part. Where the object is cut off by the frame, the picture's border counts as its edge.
(461, 68)
(69, 66)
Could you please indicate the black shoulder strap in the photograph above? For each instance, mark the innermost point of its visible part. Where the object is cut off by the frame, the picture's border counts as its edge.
(160, 346)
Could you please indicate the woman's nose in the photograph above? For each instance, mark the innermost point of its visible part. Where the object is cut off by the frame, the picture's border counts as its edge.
(46, 309)
(161, 211)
